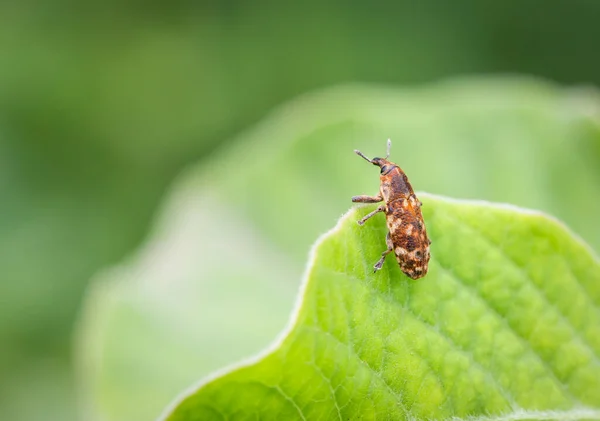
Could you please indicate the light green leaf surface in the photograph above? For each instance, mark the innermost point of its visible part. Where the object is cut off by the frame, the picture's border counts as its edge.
(507, 322)
(150, 328)
(216, 280)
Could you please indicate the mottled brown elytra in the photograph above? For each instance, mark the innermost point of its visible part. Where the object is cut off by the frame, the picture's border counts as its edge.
(407, 236)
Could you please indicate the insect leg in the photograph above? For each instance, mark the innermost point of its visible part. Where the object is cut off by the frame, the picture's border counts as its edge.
(367, 216)
(367, 199)
(379, 264)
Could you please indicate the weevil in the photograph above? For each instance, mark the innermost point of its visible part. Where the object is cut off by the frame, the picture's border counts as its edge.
(407, 236)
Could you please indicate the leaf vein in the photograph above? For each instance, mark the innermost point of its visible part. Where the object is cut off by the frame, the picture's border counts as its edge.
(487, 371)
(539, 290)
(396, 395)
(510, 328)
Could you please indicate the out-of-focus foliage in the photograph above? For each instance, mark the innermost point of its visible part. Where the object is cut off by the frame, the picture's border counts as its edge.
(215, 282)
(102, 103)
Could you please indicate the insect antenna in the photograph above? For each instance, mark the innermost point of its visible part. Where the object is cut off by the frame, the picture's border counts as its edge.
(359, 153)
(389, 146)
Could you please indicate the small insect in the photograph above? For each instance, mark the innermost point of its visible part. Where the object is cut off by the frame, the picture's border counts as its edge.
(407, 236)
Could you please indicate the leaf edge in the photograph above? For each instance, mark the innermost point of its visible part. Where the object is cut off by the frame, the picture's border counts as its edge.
(573, 414)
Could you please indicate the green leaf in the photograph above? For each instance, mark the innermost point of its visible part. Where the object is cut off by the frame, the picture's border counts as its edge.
(216, 280)
(507, 322)
(146, 324)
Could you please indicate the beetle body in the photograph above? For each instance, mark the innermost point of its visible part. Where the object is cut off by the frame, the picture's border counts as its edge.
(407, 236)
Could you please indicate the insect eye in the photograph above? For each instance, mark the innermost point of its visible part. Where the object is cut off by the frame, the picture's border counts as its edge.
(418, 254)
(384, 168)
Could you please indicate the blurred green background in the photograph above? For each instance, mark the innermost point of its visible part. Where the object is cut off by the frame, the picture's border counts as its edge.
(103, 103)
